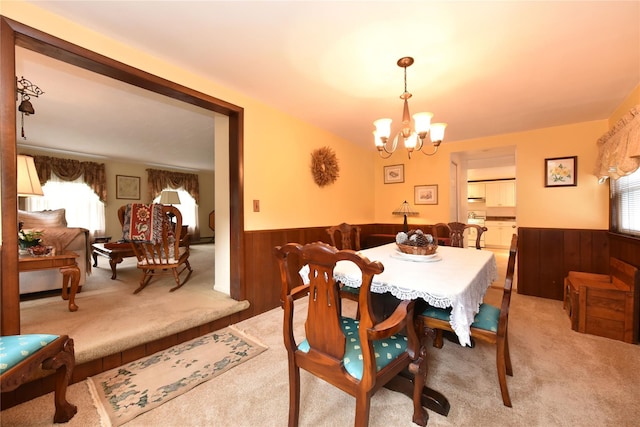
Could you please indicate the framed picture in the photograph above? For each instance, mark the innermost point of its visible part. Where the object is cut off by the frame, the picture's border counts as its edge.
(393, 174)
(127, 187)
(561, 172)
(425, 194)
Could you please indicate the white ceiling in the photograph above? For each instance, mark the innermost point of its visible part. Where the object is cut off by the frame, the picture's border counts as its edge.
(485, 68)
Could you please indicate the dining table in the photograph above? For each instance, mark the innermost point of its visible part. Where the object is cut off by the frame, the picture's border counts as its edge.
(452, 277)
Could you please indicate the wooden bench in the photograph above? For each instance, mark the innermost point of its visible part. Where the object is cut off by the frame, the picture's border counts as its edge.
(606, 305)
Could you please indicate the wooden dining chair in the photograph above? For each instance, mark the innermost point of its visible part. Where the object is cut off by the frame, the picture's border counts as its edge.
(441, 233)
(357, 356)
(159, 251)
(349, 239)
(23, 358)
(490, 325)
(457, 233)
(349, 236)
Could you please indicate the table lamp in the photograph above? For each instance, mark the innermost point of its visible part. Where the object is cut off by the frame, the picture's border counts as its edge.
(169, 197)
(405, 209)
(28, 181)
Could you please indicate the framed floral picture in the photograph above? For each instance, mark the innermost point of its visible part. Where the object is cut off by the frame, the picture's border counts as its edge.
(561, 171)
(127, 187)
(425, 194)
(393, 174)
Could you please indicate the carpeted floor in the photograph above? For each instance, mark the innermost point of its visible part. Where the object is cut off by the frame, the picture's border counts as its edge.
(561, 378)
(111, 318)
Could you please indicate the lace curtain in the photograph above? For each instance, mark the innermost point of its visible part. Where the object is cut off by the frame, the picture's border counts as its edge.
(93, 174)
(619, 148)
(160, 180)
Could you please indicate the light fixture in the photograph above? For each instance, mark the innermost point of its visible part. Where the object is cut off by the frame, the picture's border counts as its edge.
(28, 181)
(169, 197)
(412, 134)
(26, 89)
(405, 209)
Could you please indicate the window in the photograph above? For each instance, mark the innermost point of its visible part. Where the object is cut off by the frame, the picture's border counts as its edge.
(187, 207)
(82, 205)
(625, 204)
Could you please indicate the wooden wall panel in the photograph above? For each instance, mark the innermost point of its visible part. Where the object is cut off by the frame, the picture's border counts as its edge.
(546, 255)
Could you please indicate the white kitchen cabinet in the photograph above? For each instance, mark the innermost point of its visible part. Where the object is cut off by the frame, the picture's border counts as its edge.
(498, 234)
(476, 190)
(500, 194)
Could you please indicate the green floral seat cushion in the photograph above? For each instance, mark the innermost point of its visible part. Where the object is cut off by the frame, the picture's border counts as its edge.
(486, 319)
(386, 350)
(15, 348)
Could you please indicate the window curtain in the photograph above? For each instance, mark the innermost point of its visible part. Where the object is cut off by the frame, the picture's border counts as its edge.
(619, 148)
(160, 180)
(93, 174)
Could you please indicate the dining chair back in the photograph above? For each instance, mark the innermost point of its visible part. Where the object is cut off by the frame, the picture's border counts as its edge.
(349, 236)
(441, 233)
(457, 233)
(490, 324)
(156, 241)
(357, 356)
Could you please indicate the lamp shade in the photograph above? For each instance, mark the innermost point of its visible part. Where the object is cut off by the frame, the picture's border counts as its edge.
(28, 181)
(405, 209)
(168, 197)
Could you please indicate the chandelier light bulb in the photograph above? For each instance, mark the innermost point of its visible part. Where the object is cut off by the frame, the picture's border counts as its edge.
(413, 131)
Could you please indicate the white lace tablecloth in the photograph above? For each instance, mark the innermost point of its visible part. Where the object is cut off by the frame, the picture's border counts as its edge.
(458, 279)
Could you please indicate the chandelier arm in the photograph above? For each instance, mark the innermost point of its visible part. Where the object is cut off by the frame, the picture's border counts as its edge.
(435, 150)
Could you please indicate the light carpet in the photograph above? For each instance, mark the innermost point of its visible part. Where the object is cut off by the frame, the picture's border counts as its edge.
(111, 318)
(123, 393)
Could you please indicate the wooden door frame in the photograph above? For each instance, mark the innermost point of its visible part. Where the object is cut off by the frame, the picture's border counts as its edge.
(13, 33)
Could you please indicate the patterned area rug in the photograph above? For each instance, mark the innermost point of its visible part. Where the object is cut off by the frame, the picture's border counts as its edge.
(123, 393)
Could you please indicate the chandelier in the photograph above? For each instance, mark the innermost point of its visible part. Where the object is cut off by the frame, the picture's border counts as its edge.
(414, 133)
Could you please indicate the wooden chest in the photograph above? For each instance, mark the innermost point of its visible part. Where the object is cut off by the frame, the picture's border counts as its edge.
(603, 305)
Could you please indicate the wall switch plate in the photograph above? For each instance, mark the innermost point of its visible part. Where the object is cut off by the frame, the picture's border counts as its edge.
(256, 205)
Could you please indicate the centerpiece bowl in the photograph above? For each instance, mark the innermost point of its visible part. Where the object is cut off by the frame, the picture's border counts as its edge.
(430, 249)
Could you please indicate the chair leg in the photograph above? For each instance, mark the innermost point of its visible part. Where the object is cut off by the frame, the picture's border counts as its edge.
(63, 363)
(363, 405)
(438, 339)
(144, 281)
(419, 370)
(507, 357)
(294, 393)
(501, 365)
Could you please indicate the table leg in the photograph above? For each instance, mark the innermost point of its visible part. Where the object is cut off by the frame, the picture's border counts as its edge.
(113, 262)
(95, 258)
(431, 399)
(70, 273)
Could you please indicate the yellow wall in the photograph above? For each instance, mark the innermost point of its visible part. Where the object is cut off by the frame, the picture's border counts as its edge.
(277, 147)
(583, 206)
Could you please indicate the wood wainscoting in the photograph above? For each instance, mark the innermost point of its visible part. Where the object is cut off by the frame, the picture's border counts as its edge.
(546, 255)
(262, 277)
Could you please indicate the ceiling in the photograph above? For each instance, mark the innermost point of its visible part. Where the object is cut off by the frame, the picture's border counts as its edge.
(485, 68)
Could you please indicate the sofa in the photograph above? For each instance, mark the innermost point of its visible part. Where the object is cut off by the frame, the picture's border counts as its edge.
(56, 233)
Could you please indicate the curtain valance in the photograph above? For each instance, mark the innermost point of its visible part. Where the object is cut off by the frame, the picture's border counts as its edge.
(161, 179)
(93, 174)
(619, 148)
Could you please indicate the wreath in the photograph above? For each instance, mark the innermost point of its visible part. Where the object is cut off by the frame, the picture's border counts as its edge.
(324, 166)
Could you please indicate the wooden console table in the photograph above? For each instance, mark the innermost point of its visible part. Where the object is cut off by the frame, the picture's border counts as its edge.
(66, 262)
(114, 252)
